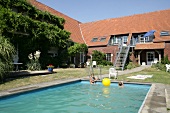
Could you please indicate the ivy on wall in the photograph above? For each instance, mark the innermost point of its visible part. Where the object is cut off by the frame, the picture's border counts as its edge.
(23, 7)
(31, 29)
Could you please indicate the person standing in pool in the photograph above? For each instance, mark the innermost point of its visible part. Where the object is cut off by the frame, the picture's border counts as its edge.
(120, 84)
(92, 79)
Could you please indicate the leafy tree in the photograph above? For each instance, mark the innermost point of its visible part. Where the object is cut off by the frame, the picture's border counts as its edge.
(77, 48)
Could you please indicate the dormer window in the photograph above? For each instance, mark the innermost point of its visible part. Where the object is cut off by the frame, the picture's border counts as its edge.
(94, 40)
(165, 33)
(102, 39)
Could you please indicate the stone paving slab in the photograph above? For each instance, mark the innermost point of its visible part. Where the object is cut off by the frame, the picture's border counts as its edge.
(26, 72)
(167, 96)
(155, 102)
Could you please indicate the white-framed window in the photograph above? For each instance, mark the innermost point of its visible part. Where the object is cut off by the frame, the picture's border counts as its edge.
(147, 39)
(108, 57)
(114, 40)
(144, 39)
(117, 40)
(125, 39)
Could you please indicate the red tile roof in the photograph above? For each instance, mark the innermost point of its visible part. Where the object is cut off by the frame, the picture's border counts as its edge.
(70, 25)
(150, 46)
(159, 20)
(85, 32)
(162, 38)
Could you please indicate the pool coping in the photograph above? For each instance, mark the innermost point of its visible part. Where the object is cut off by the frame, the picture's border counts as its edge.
(153, 102)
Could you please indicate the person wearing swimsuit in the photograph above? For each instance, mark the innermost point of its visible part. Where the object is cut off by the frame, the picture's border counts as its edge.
(92, 79)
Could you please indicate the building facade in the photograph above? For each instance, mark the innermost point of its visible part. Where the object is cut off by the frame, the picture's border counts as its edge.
(110, 36)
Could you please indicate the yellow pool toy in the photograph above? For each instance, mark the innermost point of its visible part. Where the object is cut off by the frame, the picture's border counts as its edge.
(106, 82)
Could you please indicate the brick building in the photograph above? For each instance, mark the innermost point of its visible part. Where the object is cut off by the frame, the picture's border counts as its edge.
(125, 34)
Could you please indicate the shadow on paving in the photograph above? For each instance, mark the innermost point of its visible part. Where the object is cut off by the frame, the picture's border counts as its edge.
(23, 74)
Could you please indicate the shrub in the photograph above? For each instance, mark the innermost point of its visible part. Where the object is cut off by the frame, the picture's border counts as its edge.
(165, 60)
(34, 61)
(159, 66)
(33, 65)
(131, 65)
(100, 58)
(106, 63)
(6, 53)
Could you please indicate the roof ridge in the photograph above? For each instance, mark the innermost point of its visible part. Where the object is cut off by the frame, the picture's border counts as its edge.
(107, 19)
(82, 34)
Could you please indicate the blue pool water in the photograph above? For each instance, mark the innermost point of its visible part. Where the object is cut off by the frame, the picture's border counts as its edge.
(78, 97)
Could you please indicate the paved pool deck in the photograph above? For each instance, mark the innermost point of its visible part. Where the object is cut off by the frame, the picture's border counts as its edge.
(157, 101)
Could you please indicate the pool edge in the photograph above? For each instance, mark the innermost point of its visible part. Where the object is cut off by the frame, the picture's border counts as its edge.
(143, 109)
(33, 87)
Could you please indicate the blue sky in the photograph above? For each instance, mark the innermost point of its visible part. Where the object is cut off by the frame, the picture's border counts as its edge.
(93, 10)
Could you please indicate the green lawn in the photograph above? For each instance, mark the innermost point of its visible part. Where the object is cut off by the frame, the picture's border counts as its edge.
(158, 77)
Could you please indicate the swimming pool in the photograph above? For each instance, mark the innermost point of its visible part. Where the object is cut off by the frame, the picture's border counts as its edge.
(77, 97)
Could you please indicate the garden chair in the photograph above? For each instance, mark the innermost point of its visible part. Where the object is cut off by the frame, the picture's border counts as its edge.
(113, 71)
(94, 64)
(167, 67)
(87, 63)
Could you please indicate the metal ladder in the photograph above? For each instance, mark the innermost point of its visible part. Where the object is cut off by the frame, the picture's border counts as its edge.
(121, 57)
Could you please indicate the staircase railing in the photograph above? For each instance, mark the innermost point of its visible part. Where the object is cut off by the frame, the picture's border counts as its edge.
(125, 57)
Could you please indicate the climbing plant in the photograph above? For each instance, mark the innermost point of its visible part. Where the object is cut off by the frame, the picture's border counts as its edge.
(30, 29)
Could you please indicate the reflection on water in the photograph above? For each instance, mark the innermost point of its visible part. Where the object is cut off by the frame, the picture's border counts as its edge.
(106, 91)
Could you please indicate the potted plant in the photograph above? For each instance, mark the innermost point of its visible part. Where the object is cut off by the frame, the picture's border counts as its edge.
(50, 67)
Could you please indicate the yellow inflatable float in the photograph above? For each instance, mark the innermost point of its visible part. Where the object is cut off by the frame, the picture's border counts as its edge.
(106, 82)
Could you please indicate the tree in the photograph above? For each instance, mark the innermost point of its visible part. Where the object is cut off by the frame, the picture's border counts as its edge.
(77, 48)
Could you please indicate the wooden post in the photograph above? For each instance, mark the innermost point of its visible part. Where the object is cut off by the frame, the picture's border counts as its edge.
(139, 57)
(159, 53)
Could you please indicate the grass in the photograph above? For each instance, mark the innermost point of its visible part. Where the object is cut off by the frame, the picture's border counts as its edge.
(158, 77)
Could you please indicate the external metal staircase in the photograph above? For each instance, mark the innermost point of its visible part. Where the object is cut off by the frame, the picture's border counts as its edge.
(121, 57)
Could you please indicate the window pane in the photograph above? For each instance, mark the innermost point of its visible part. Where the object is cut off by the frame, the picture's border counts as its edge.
(108, 57)
(102, 39)
(94, 40)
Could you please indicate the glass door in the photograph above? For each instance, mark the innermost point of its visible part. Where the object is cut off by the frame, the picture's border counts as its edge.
(150, 57)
